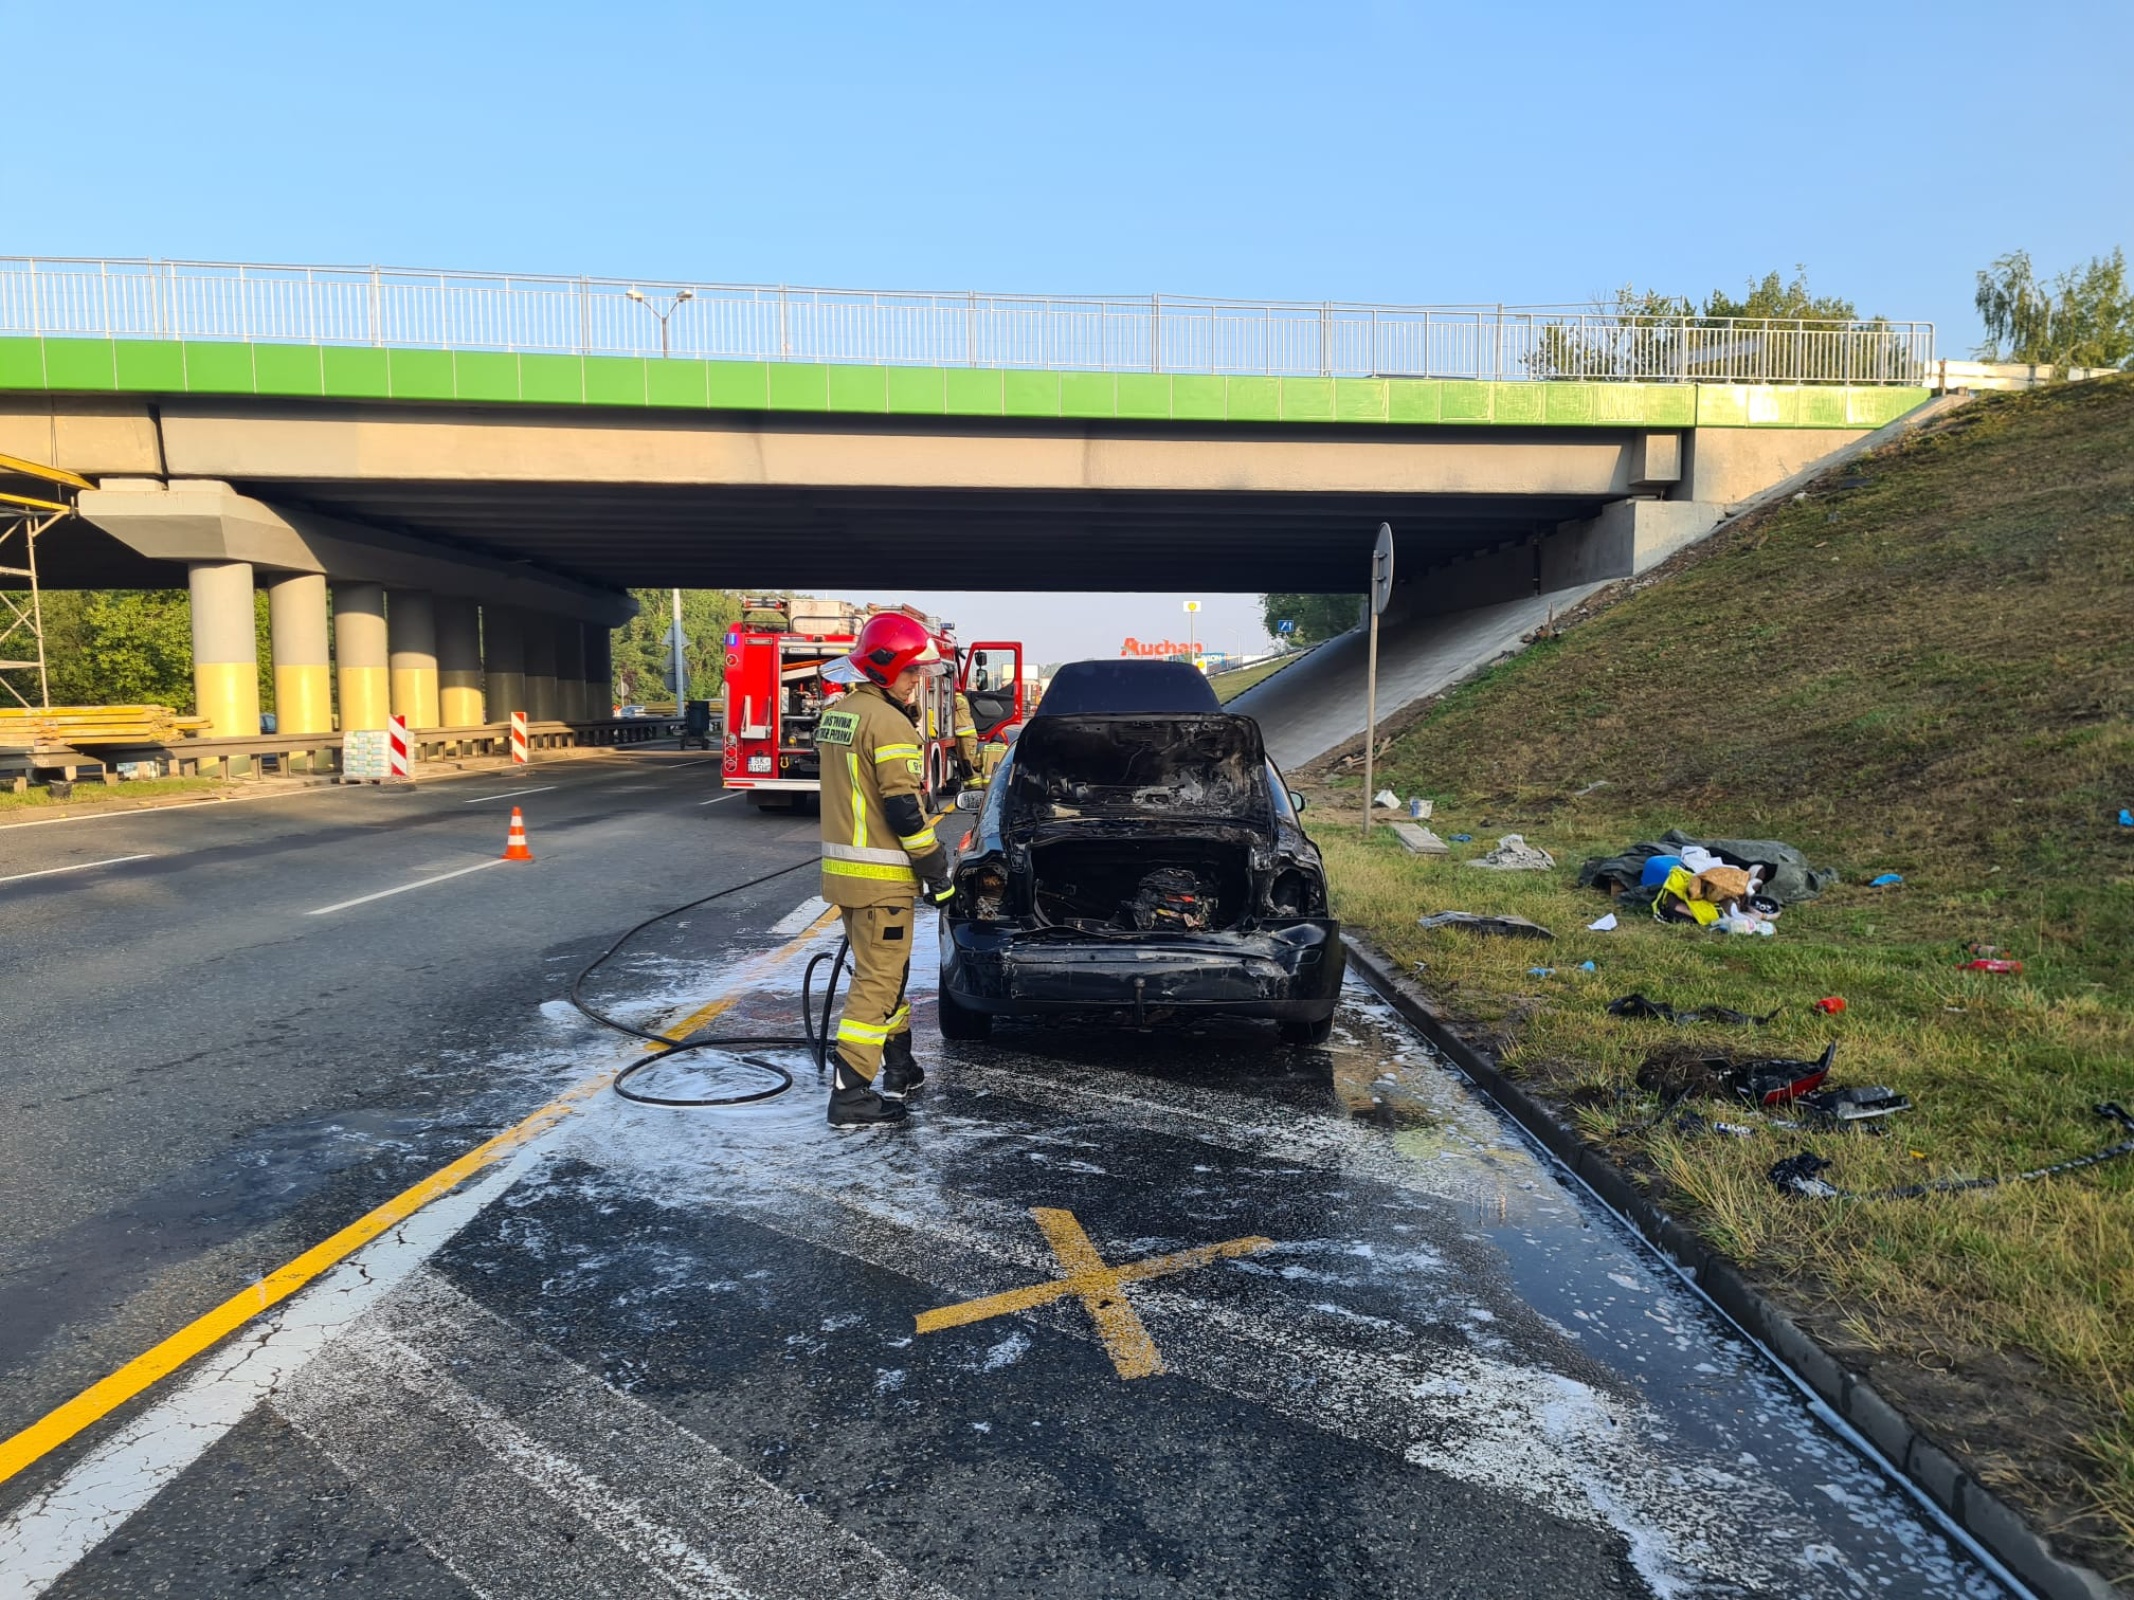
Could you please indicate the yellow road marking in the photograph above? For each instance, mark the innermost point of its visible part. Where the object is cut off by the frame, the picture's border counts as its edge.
(107, 1394)
(1100, 1287)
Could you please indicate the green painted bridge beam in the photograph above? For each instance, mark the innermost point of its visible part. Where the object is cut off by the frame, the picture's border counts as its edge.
(481, 377)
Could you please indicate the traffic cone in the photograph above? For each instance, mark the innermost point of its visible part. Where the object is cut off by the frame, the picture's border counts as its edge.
(515, 845)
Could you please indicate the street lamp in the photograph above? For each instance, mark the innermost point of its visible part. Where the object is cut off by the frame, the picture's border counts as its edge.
(673, 305)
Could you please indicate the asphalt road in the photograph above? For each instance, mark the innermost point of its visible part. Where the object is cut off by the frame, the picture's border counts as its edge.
(1332, 1329)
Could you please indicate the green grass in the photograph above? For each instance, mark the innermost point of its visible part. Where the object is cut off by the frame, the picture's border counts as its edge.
(1930, 674)
(91, 793)
(1229, 685)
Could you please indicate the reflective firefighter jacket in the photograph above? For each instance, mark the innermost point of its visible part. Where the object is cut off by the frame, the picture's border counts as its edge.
(966, 733)
(874, 823)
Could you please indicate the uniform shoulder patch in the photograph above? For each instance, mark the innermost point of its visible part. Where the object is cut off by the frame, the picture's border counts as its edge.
(837, 727)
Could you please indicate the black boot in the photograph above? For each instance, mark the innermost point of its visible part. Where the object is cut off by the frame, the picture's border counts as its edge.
(853, 1102)
(901, 1075)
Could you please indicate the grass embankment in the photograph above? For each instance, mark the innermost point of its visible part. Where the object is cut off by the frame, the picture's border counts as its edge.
(1929, 672)
(1229, 685)
(94, 793)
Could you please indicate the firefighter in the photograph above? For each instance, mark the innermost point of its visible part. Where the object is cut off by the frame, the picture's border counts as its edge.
(878, 855)
(966, 740)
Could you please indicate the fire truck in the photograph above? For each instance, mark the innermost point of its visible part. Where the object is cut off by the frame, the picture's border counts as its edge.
(775, 695)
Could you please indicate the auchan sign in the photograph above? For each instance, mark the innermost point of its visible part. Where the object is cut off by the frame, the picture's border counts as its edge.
(1164, 648)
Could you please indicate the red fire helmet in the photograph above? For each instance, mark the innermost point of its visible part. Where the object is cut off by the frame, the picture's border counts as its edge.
(888, 644)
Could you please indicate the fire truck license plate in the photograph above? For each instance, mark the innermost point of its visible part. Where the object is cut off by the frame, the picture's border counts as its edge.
(759, 763)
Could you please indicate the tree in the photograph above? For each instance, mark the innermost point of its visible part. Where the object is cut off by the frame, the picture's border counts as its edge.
(1645, 333)
(119, 647)
(640, 645)
(1779, 301)
(1317, 616)
(1634, 335)
(2081, 318)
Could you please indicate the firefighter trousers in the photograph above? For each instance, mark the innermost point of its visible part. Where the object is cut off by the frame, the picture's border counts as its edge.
(875, 1008)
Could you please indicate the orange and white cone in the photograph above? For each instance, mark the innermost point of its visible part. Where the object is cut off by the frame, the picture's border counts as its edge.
(515, 846)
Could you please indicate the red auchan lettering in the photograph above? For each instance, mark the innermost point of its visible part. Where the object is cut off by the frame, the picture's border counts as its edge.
(1166, 648)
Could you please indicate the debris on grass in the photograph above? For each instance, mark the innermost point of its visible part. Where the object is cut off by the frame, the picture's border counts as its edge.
(1506, 926)
(1606, 924)
(1887, 880)
(1635, 1007)
(1684, 1072)
(1514, 854)
(1797, 1174)
(1830, 1005)
(1989, 964)
(1786, 874)
(1419, 840)
(1839, 1108)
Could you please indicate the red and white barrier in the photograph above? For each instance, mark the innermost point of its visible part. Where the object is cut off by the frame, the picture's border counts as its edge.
(399, 769)
(519, 757)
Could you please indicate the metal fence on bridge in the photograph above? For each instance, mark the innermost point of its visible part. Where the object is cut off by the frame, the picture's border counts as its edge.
(1097, 333)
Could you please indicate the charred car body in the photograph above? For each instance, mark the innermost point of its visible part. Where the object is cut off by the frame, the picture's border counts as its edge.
(1137, 853)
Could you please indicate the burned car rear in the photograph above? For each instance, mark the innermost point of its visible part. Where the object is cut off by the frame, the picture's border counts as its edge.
(1144, 865)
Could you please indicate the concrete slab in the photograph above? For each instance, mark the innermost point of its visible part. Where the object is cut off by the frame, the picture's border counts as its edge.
(1318, 704)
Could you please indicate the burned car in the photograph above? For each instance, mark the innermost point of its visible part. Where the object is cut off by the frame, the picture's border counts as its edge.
(1137, 854)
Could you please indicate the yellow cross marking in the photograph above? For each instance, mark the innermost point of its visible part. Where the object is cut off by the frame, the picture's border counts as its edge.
(1100, 1287)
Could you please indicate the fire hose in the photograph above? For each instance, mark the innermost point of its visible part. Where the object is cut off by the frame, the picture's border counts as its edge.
(815, 1037)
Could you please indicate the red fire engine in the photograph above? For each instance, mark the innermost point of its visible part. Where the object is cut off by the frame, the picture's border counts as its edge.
(775, 694)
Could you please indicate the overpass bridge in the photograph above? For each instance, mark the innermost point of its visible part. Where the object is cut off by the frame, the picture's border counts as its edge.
(507, 455)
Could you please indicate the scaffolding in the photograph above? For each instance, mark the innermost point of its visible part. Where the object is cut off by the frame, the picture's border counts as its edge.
(24, 519)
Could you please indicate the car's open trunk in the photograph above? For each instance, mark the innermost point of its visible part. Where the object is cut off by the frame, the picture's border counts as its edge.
(1174, 882)
(1139, 823)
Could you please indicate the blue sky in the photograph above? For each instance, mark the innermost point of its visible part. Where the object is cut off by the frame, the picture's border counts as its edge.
(1380, 151)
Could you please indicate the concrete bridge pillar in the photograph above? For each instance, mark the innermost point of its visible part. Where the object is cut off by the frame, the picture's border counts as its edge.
(570, 669)
(504, 661)
(459, 664)
(540, 646)
(359, 650)
(225, 648)
(599, 670)
(411, 628)
(303, 662)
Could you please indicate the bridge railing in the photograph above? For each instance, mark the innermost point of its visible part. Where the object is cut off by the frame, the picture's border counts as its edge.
(1099, 333)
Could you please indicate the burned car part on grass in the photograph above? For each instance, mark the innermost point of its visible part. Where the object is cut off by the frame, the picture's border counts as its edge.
(1144, 865)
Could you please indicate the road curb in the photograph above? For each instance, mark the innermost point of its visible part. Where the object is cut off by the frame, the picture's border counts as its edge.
(1997, 1527)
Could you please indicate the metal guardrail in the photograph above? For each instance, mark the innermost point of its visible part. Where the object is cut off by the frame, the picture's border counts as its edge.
(380, 306)
(317, 752)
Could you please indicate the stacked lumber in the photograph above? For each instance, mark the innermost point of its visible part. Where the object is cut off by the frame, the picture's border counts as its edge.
(94, 725)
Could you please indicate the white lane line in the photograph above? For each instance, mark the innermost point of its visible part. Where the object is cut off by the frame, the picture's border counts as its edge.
(56, 1527)
(508, 794)
(801, 916)
(466, 1428)
(419, 883)
(79, 866)
(715, 799)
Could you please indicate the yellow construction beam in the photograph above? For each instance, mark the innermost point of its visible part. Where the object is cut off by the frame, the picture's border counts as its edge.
(33, 504)
(37, 469)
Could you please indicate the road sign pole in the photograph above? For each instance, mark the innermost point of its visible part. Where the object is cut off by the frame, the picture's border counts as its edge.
(1370, 722)
(1381, 592)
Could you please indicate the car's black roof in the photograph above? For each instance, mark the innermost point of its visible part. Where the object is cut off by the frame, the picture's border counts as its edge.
(1160, 688)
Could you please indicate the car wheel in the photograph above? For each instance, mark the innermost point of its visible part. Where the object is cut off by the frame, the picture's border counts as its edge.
(960, 1021)
(1305, 1032)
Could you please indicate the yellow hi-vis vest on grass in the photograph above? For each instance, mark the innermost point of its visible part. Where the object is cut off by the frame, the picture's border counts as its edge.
(870, 752)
